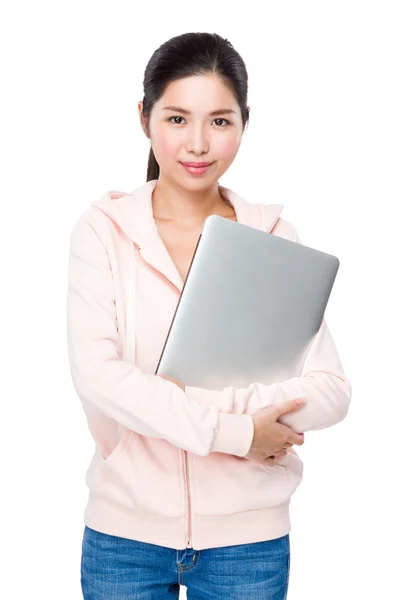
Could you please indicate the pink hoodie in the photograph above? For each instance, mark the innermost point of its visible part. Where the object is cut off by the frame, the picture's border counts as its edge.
(169, 466)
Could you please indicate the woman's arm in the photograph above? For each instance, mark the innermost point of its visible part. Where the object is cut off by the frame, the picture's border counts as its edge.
(140, 401)
(323, 383)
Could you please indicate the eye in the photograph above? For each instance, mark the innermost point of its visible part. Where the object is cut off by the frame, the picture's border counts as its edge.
(218, 119)
(176, 117)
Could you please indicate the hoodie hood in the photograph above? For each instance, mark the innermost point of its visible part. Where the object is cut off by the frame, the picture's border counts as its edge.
(134, 215)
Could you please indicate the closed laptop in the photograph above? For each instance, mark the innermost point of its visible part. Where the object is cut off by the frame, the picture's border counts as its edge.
(250, 307)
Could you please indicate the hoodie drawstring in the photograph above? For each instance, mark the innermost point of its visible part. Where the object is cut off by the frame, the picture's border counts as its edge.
(131, 311)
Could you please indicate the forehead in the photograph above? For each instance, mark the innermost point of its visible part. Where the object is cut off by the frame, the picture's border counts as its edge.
(198, 94)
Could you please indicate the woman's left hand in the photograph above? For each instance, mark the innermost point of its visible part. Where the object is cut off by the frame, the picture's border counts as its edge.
(176, 381)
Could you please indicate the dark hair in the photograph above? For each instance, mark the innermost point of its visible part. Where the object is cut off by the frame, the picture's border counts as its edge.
(192, 54)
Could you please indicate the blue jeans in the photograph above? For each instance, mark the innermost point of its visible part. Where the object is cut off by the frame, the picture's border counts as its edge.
(116, 568)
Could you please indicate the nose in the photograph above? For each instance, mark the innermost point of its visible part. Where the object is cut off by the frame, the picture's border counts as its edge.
(197, 141)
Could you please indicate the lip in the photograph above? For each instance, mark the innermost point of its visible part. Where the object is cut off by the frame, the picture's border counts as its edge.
(196, 168)
(196, 164)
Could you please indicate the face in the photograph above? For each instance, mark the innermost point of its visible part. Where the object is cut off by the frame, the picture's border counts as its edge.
(195, 136)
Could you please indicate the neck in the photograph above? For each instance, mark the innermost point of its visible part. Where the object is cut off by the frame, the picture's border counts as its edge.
(171, 202)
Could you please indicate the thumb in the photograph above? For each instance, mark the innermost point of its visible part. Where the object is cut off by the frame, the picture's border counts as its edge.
(290, 406)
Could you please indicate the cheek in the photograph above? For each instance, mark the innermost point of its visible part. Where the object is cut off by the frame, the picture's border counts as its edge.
(166, 146)
(227, 147)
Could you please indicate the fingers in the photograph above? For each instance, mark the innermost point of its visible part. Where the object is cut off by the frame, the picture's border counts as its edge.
(272, 460)
(298, 439)
(290, 406)
(175, 381)
(291, 437)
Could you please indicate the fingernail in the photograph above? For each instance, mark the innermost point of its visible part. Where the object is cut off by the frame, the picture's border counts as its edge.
(299, 401)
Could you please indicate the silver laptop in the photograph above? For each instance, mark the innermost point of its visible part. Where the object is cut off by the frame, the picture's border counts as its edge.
(250, 307)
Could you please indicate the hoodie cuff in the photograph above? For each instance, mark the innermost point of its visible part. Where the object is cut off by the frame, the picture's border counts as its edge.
(234, 434)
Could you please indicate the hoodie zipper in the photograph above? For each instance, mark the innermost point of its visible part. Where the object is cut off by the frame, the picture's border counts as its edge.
(189, 501)
(184, 452)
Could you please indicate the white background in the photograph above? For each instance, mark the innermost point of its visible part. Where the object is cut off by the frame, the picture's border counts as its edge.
(330, 138)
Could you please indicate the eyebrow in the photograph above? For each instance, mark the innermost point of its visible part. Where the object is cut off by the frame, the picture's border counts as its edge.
(214, 113)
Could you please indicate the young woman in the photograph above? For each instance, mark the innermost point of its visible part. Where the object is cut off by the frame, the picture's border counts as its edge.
(187, 485)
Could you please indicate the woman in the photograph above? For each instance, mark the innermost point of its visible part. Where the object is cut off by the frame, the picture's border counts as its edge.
(187, 486)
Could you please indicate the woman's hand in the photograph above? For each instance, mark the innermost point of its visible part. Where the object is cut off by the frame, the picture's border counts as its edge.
(286, 437)
(176, 381)
(271, 439)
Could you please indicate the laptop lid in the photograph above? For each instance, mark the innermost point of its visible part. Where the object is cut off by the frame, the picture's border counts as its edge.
(250, 307)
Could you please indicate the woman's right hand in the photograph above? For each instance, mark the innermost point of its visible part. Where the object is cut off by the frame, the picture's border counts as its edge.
(270, 437)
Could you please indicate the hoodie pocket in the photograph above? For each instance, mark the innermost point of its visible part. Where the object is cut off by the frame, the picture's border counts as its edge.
(120, 447)
(100, 462)
(141, 473)
(289, 465)
(226, 484)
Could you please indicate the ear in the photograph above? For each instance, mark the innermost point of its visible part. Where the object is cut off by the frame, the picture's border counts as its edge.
(143, 121)
(247, 124)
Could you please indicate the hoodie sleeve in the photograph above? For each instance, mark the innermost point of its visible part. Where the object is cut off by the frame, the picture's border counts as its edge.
(323, 384)
(142, 402)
